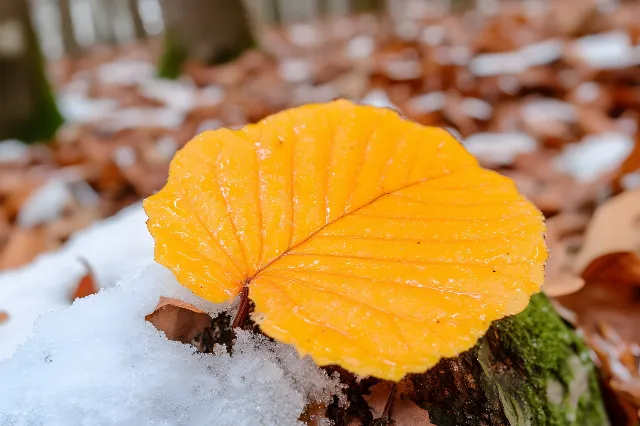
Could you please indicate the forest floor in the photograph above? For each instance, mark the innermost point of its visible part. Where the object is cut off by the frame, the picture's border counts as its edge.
(550, 99)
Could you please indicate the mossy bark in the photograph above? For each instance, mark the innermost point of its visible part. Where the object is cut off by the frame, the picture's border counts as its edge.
(529, 369)
(28, 110)
(374, 6)
(210, 31)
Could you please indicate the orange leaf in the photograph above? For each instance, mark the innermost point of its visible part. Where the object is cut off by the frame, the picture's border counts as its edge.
(4, 317)
(178, 320)
(366, 240)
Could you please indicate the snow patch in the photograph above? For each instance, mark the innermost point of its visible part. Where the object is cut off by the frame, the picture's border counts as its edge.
(45, 204)
(499, 148)
(490, 64)
(378, 98)
(13, 151)
(100, 363)
(594, 155)
(607, 50)
(113, 248)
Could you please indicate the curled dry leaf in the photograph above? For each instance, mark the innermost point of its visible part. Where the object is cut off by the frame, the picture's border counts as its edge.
(611, 250)
(359, 234)
(178, 320)
(86, 286)
(404, 412)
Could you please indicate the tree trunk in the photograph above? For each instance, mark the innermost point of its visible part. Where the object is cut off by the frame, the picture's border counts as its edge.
(69, 42)
(28, 110)
(529, 369)
(211, 31)
(367, 5)
(138, 26)
(104, 16)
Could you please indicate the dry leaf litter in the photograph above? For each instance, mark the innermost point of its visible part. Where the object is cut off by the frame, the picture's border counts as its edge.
(548, 98)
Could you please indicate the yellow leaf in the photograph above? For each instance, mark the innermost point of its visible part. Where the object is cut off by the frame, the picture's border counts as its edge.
(366, 240)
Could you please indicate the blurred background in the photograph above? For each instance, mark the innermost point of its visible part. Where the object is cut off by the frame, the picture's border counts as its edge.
(96, 96)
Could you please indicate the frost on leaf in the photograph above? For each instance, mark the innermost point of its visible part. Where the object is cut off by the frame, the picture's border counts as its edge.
(366, 240)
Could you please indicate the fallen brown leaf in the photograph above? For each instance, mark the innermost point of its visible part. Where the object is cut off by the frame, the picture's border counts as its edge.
(404, 412)
(86, 286)
(560, 278)
(617, 304)
(4, 317)
(611, 250)
(178, 320)
(23, 246)
(315, 415)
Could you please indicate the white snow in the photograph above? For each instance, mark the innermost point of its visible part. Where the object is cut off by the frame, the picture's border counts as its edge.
(515, 62)
(128, 118)
(433, 35)
(378, 98)
(112, 247)
(124, 156)
(594, 155)
(476, 108)
(607, 50)
(304, 34)
(179, 95)
(13, 151)
(126, 72)
(360, 47)
(100, 363)
(429, 102)
(538, 111)
(45, 204)
(294, 70)
(499, 148)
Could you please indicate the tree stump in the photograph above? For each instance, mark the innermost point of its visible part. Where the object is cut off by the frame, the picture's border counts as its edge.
(529, 369)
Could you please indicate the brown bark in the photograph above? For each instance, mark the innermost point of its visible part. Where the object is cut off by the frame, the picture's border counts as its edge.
(211, 31)
(28, 109)
(138, 26)
(69, 42)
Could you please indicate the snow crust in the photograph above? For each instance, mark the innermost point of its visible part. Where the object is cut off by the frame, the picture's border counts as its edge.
(114, 247)
(100, 363)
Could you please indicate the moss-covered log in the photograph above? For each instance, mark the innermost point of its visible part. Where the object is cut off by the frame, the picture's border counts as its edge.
(28, 110)
(211, 31)
(529, 369)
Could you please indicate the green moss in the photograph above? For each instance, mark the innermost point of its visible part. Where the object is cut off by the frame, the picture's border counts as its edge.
(557, 384)
(173, 56)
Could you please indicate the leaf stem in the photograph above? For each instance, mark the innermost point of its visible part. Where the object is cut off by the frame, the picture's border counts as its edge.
(386, 413)
(243, 308)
